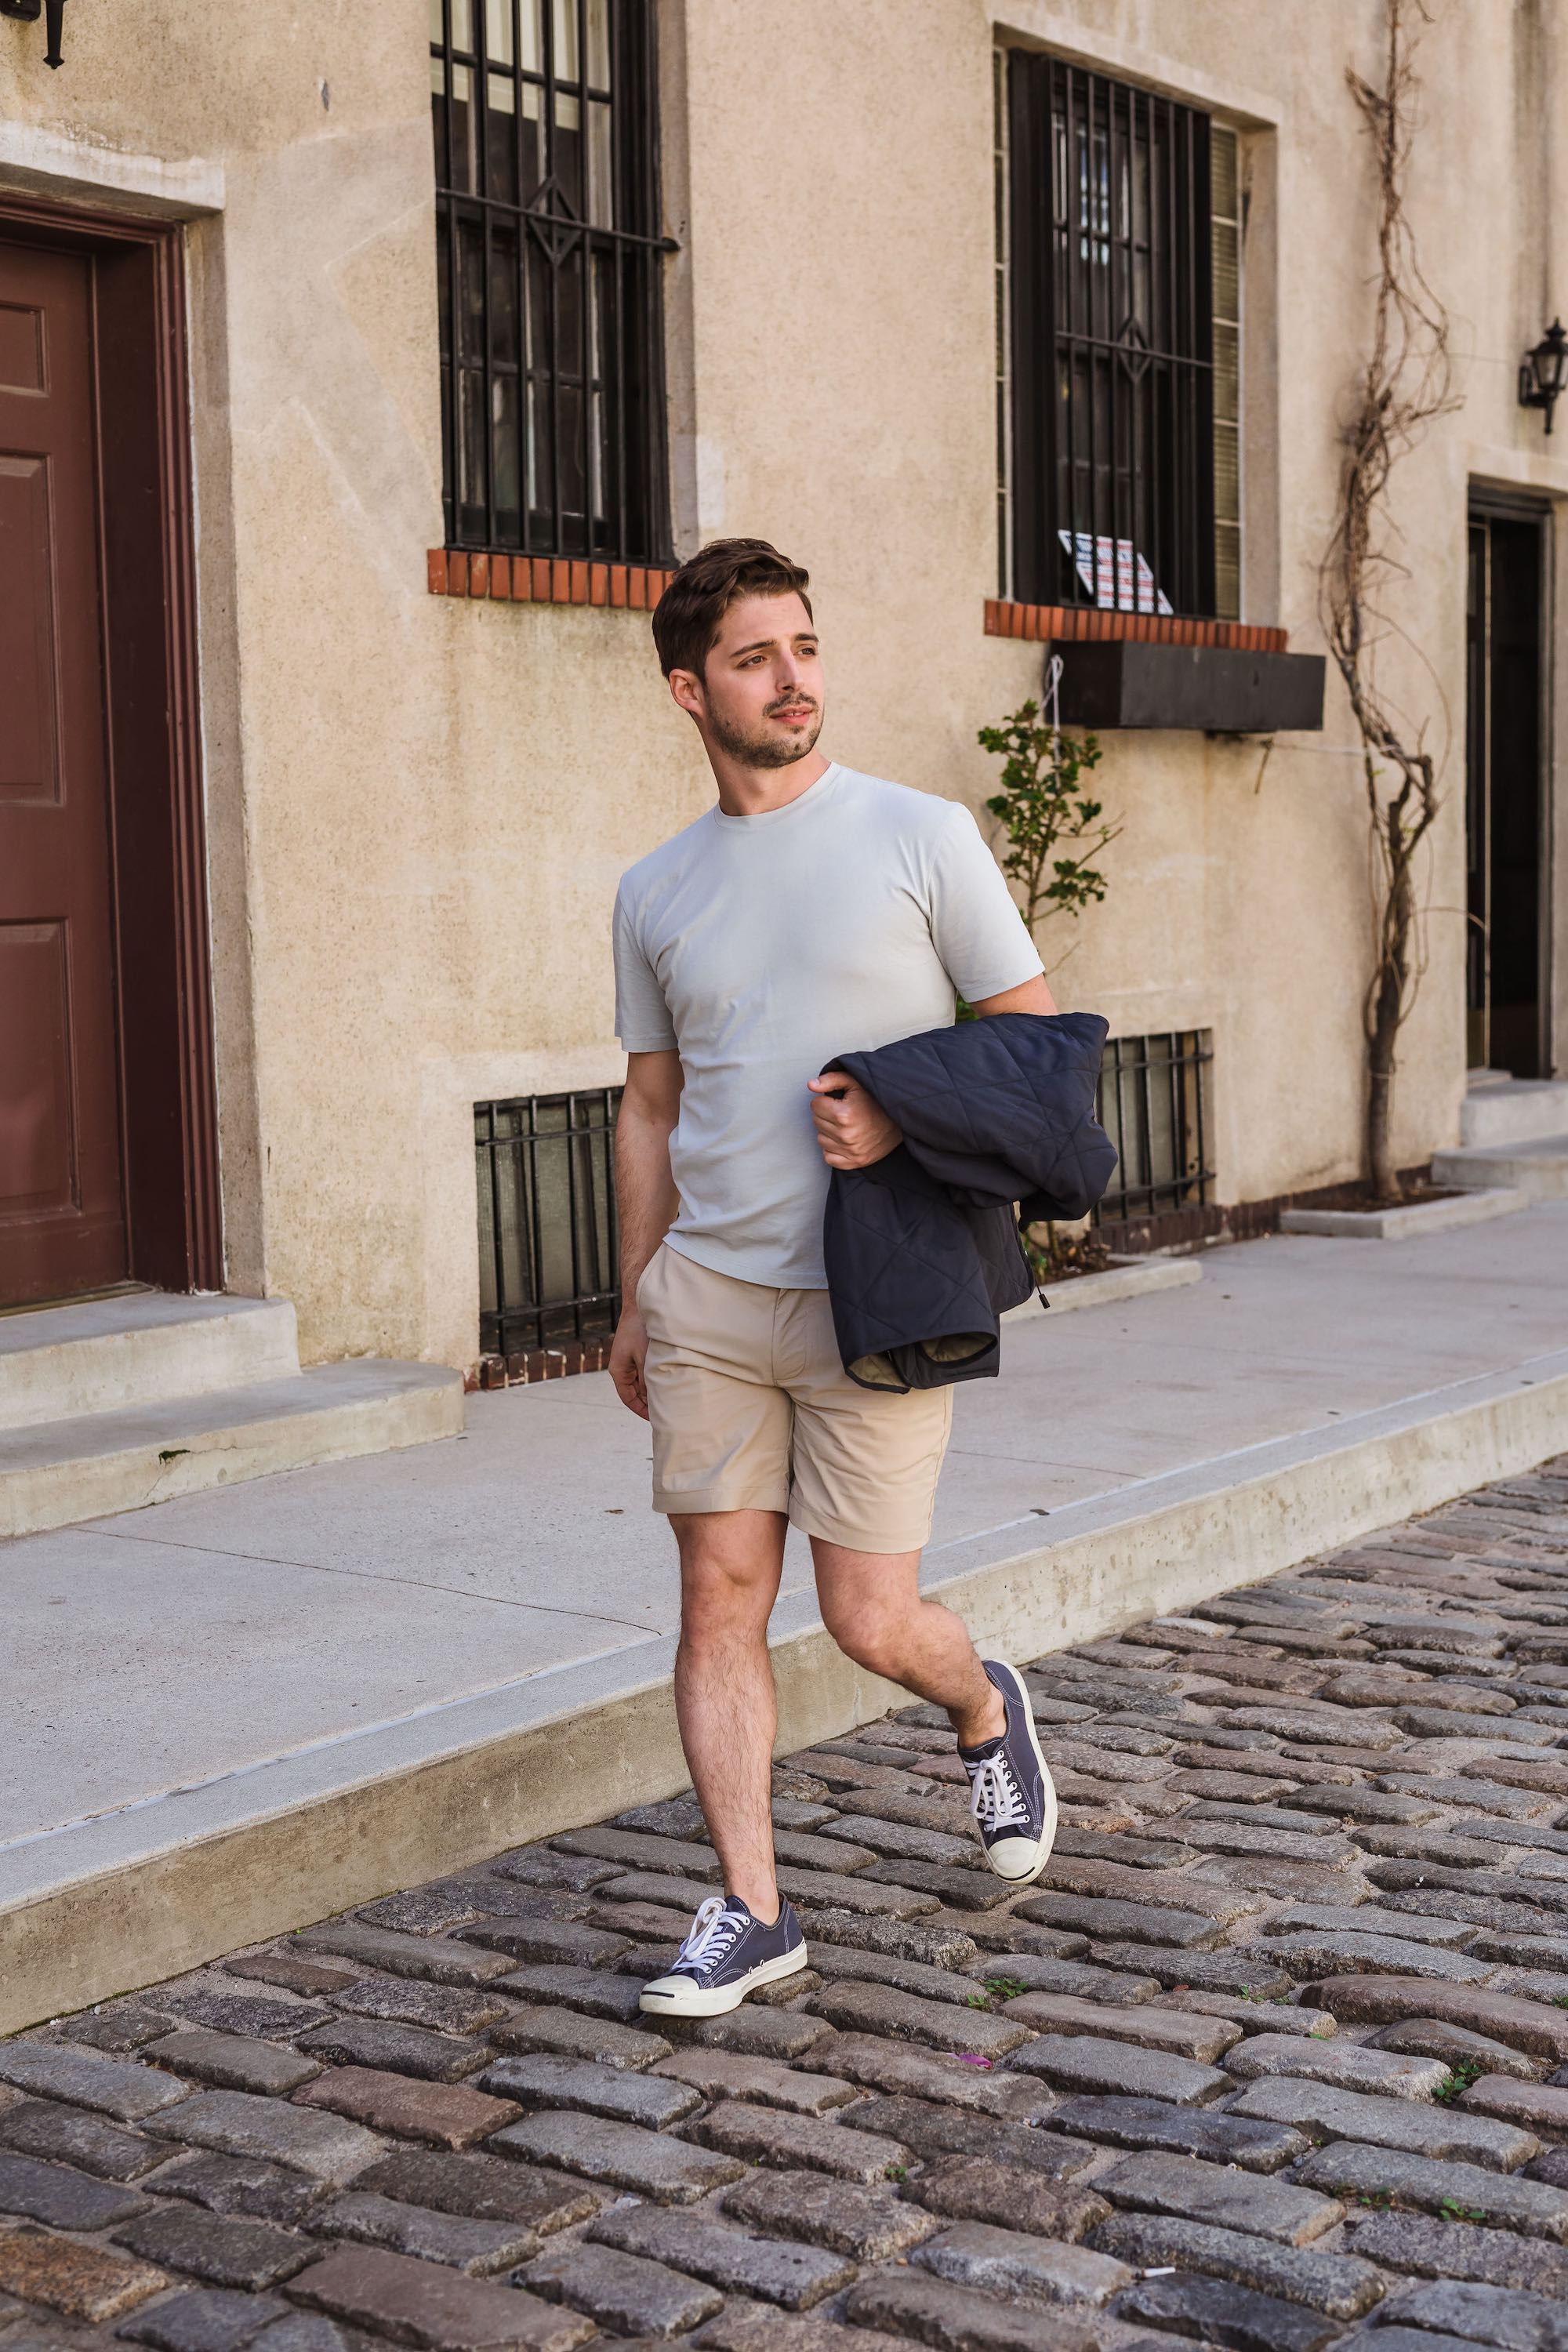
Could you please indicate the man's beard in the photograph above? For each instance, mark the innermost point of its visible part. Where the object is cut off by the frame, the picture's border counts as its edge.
(762, 750)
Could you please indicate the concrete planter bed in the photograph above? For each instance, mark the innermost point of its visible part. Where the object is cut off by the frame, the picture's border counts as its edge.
(1438, 1214)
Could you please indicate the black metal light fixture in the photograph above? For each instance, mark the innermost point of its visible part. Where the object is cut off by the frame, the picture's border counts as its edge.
(1544, 371)
(52, 11)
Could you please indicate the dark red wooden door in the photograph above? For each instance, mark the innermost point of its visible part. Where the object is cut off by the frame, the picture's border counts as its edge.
(62, 1219)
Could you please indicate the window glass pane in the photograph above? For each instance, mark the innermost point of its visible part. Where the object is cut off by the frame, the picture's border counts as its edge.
(462, 162)
(571, 469)
(505, 336)
(500, 138)
(471, 292)
(568, 148)
(1226, 475)
(504, 454)
(438, 22)
(564, 28)
(1226, 271)
(462, 24)
(601, 172)
(497, 32)
(1223, 149)
(1227, 373)
(533, 140)
(599, 43)
(571, 322)
(471, 439)
(531, 16)
(439, 120)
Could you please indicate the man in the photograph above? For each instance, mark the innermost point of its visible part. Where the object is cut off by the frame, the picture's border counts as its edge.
(813, 911)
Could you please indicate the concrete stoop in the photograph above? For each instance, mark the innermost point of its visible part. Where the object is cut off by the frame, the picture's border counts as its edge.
(1513, 1132)
(142, 1892)
(116, 1402)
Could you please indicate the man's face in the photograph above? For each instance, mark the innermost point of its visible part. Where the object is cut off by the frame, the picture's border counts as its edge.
(760, 697)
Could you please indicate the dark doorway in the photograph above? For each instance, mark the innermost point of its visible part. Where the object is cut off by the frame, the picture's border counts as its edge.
(108, 1141)
(1506, 990)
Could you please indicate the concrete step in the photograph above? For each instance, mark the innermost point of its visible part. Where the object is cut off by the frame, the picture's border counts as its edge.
(104, 1355)
(1538, 1168)
(1513, 1110)
(58, 1472)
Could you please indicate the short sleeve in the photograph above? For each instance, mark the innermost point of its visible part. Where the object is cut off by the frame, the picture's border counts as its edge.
(977, 930)
(642, 1017)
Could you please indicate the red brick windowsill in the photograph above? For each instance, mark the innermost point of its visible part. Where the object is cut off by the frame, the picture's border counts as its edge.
(1082, 624)
(543, 580)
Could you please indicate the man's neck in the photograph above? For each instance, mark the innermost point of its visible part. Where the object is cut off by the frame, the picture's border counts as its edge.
(753, 791)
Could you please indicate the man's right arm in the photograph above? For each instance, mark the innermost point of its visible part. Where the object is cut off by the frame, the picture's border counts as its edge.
(647, 1202)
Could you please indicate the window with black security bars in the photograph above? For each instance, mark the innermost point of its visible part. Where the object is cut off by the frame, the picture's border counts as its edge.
(550, 259)
(1153, 1105)
(1109, 342)
(549, 1243)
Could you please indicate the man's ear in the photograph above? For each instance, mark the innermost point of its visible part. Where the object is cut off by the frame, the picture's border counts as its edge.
(686, 688)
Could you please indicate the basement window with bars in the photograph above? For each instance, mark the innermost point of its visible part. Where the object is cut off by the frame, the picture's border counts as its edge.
(1153, 1105)
(549, 1244)
(550, 259)
(1118, 344)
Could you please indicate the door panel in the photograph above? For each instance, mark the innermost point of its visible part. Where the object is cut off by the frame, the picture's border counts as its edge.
(62, 1225)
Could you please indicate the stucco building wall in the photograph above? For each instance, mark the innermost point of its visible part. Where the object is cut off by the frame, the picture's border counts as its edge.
(419, 808)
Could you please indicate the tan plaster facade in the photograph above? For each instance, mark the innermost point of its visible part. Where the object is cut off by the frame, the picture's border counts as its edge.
(419, 808)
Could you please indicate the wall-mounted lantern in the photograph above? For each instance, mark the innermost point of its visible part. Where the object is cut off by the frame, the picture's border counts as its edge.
(52, 11)
(1543, 373)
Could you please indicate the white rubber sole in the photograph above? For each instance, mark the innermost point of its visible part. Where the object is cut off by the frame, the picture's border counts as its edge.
(1048, 1832)
(685, 1999)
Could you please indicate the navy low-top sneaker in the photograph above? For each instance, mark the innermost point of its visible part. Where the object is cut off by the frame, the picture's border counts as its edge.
(1011, 1793)
(726, 1954)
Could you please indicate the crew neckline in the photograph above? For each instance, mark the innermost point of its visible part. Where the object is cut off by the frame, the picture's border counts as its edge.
(814, 795)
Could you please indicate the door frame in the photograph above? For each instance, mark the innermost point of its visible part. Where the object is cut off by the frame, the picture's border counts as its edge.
(1489, 501)
(162, 946)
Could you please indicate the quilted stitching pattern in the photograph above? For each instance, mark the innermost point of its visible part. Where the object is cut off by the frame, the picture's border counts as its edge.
(923, 1247)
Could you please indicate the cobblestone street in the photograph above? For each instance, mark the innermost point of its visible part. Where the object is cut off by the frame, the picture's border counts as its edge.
(1275, 2055)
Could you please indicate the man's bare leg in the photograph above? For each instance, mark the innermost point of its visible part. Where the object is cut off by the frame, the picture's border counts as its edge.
(731, 1562)
(872, 1605)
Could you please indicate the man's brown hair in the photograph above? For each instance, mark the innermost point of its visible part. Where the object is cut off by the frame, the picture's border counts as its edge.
(688, 616)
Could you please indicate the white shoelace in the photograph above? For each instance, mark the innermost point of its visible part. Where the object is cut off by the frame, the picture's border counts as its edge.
(995, 1799)
(711, 1935)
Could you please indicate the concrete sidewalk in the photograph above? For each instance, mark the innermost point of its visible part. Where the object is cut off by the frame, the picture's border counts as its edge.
(181, 1674)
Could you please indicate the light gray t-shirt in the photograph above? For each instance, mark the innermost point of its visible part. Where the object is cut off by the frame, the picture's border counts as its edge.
(760, 947)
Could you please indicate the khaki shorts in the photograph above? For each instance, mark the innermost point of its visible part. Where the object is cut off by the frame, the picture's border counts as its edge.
(752, 1410)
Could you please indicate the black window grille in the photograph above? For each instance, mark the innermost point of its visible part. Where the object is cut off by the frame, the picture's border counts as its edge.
(1110, 328)
(1153, 1105)
(549, 256)
(548, 1246)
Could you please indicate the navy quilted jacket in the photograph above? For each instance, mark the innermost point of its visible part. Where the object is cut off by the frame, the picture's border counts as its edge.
(922, 1249)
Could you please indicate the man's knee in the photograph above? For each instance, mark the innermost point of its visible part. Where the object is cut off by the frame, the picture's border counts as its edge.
(729, 1565)
(874, 1633)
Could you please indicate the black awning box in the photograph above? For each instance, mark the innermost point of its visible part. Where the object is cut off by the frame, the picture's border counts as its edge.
(1211, 689)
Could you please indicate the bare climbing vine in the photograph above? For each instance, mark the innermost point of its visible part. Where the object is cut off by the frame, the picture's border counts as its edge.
(1407, 382)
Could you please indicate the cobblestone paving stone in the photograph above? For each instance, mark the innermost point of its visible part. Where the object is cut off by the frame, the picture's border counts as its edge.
(1274, 2057)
